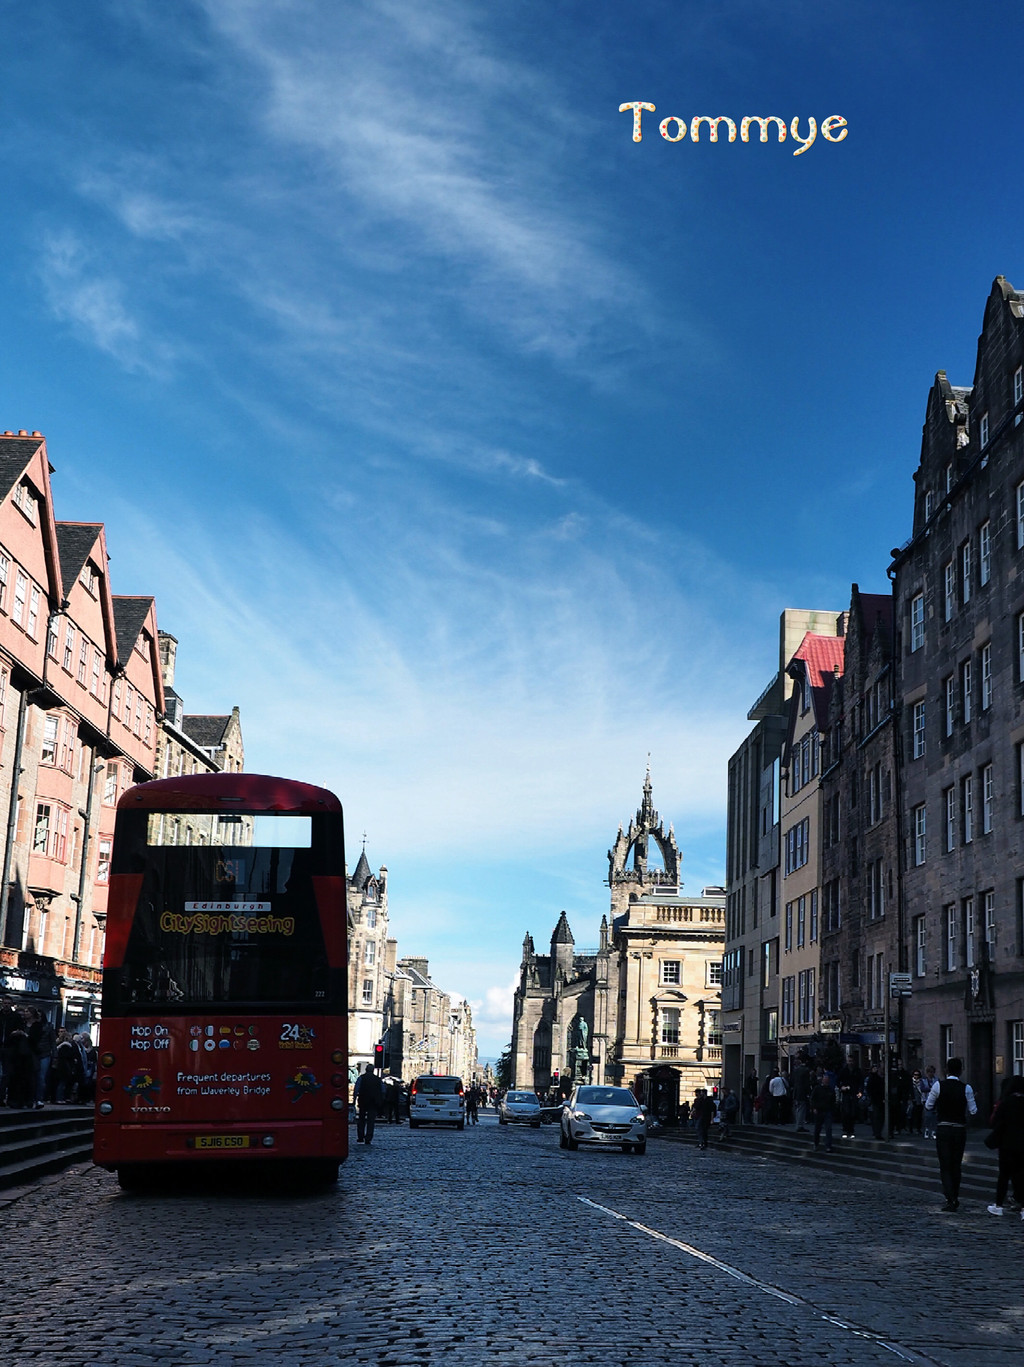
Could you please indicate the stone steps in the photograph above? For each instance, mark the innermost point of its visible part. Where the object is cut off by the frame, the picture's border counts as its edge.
(34, 1143)
(909, 1161)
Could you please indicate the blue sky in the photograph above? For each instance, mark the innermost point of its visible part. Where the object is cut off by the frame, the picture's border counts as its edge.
(469, 446)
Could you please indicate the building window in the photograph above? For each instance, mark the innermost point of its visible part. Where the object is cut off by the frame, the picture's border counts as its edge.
(966, 690)
(946, 1043)
(952, 936)
(20, 594)
(986, 799)
(788, 994)
(949, 692)
(919, 946)
(5, 574)
(97, 665)
(801, 922)
(370, 952)
(983, 435)
(1018, 385)
(25, 499)
(83, 661)
(51, 637)
(877, 877)
(949, 590)
(920, 833)
(805, 1003)
(949, 477)
(715, 1029)
(87, 578)
(367, 991)
(714, 975)
(110, 786)
(51, 727)
(969, 931)
(797, 846)
(988, 910)
(986, 676)
(32, 624)
(60, 834)
(1017, 1045)
(814, 915)
(41, 834)
(787, 940)
(950, 827)
(103, 871)
(965, 572)
(670, 972)
(984, 554)
(1020, 515)
(918, 730)
(967, 801)
(917, 614)
(69, 648)
(669, 1016)
(929, 504)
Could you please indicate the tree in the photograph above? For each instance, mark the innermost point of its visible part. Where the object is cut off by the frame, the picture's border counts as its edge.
(503, 1069)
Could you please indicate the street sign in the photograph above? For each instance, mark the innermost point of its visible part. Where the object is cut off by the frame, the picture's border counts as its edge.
(830, 1025)
(901, 982)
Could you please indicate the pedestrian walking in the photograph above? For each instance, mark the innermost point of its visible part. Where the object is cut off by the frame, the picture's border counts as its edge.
(800, 1082)
(849, 1099)
(701, 1112)
(472, 1101)
(874, 1090)
(43, 1040)
(823, 1107)
(749, 1097)
(951, 1101)
(729, 1111)
(917, 1098)
(927, 1083)
(778, 1090)
(368, 1095)
(1007, 1138)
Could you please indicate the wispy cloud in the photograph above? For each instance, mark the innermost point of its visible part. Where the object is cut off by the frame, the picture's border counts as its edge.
(80, 293)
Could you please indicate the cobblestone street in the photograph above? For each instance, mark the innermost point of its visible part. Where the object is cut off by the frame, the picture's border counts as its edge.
(495, 1245)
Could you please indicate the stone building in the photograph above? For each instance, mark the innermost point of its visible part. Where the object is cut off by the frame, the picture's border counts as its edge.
(80, 694)
(431, 1031)
(815, 667)
(369, 981)
(643, 1007)
(194, 743)
(959, 643)
(860, 922)
(751, 979)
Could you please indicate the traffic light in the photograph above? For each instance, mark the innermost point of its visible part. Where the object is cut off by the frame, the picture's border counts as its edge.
(378, 1056)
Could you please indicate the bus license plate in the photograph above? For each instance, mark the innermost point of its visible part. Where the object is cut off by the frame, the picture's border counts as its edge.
(222, 1141)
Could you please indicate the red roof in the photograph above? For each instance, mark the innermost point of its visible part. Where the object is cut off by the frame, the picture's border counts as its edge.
(822, 657)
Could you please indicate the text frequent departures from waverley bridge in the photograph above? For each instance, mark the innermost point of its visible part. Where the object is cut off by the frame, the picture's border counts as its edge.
(675, 128)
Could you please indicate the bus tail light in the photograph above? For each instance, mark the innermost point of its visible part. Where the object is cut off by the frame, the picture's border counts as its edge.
(338, 1056)
(106, 1108)
(106, 1084)
(107, 1060)
(337, 1104)
(338, 1080)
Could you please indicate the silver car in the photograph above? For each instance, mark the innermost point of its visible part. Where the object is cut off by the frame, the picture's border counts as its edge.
(603, 1116)
(520, 1108)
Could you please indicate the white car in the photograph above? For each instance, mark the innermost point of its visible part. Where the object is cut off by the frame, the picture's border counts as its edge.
(520, 1108)
(437, 1100)
(603, 1116)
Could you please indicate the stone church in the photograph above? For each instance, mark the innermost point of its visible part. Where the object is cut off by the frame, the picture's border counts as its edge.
(642, 1008)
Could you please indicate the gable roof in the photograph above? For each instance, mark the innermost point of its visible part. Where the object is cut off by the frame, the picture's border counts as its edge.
(206, 731)
(820, 658)
(74, 542)
(129, 618)
(15, 454)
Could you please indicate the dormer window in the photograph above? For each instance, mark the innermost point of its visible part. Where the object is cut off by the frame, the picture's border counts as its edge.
(25, 499)
(983, 433)
(88, 577)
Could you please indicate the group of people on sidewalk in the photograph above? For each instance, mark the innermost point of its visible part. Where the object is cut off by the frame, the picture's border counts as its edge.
(932, 1108)
(40, 1065)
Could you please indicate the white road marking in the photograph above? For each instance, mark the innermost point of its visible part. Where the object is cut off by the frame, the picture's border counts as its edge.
(907, 1354)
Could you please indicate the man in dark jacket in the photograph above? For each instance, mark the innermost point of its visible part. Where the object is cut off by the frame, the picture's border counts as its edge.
(1007, 1138)
(701, 1112)
(951, 1101)
(368, 1095)
(823, 1106)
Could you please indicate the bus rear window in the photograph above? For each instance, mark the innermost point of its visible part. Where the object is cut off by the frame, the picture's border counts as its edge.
(258, 831)
(222, 923)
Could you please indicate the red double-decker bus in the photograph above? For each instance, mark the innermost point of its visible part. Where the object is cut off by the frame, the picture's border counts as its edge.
(224, 1036)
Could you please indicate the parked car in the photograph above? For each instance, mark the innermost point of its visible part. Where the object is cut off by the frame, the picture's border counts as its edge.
(603, 1116)
(437, 1101)
(520, 1108)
